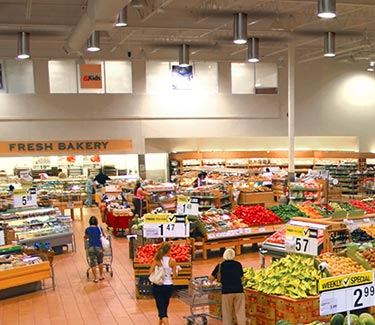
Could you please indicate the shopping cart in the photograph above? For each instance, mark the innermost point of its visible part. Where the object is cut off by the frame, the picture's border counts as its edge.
(203, 298)
(107, 259)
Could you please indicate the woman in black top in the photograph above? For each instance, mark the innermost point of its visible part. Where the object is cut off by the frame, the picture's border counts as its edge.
(232, 298)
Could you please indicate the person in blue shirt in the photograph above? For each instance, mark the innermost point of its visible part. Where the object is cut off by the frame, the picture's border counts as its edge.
(95, 248)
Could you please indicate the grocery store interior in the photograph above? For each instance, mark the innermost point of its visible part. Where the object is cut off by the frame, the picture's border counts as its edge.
(251, 121)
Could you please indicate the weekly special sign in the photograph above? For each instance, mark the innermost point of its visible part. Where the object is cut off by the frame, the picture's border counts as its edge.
(346, 292)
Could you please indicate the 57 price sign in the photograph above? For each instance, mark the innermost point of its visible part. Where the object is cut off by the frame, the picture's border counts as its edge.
(301, 240)
(24, 198)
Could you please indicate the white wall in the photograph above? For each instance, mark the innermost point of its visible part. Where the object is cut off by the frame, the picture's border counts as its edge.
(332, 99)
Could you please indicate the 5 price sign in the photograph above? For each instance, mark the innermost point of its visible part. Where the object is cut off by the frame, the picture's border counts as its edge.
(24, 198)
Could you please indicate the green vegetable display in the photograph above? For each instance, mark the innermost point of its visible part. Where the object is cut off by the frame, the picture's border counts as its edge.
(286, 212)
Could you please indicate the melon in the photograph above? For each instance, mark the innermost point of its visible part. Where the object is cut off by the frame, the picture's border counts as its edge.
(337, 319)
(354, 320)
(366, 319)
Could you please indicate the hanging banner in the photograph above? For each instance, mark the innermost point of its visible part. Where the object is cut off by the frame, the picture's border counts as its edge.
(77, 146)
(91, 76)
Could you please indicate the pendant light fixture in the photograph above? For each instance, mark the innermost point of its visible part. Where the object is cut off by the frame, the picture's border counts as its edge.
(184, 55)
(93, 43)
(327, 9)
(122, 18)
(240, 28)
(23, 45)
(253, 50)
(329, 44)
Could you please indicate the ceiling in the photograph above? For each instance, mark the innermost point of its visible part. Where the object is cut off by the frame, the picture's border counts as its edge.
(59, 29)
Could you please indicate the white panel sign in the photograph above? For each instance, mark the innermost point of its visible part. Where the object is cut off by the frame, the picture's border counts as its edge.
(24, 198)
(346, 292)
(165, 225)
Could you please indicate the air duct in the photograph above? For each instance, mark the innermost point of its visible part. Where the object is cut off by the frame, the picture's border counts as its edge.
(99, 16)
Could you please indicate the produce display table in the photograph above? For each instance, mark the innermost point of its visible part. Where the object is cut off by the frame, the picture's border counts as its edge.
(117, 222)
(236, 238)
(62, 206)
(26, 274)
(55, 240)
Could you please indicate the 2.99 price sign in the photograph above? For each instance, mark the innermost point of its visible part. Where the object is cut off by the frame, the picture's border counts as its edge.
(344, 293)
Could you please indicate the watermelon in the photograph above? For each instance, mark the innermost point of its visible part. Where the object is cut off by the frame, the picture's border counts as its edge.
(366, 319)
(354, 320)
(337, 319)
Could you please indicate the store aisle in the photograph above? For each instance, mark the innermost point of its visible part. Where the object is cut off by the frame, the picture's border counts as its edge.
(77, 300)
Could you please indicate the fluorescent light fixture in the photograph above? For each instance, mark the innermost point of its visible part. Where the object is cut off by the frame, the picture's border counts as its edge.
(184, 55)
(240, 28)
(93, 43)
(137, 4)
(329, 44)
(327, 9)
(122, 18)
(23, 45)
(253, 50)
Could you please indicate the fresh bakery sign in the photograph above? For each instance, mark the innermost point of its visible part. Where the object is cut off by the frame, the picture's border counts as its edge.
(77, 146)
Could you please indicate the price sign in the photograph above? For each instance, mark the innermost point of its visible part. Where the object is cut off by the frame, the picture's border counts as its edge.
(24, 198)
(301, 240)
(165, 225)
(347, 292)
(187, 205)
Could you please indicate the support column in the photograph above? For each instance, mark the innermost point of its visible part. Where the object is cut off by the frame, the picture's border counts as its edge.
(291, 106)
(142, 166)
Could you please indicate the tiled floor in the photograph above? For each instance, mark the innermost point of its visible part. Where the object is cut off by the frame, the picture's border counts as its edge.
(77, 300)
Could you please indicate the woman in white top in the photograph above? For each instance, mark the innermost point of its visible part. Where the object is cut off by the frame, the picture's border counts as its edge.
(268, 176)
(163, 293)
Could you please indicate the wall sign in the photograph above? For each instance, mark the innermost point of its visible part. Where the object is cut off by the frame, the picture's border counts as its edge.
(346, 292)
(76, 146)
(91, 76)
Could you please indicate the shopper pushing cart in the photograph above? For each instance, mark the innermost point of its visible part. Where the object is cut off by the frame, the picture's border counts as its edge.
(97, 257)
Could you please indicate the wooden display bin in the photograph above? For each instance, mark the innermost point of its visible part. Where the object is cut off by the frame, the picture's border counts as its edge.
(25, 274)
(263, 198)
(267, 309)
(235, 238)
